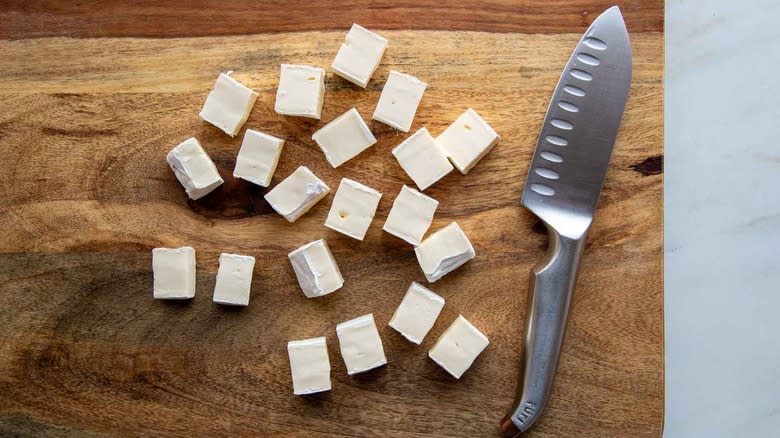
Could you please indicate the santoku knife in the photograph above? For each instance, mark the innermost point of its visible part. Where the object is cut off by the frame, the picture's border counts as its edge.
(562, 189)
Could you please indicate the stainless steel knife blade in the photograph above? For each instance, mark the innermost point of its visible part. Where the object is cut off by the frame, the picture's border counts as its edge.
(562, 188)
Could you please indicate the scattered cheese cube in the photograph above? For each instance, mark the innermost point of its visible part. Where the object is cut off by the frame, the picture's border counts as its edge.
(411, 215)
(458, 347)
(361, 346)
(258, 157)
(417, 313)
(174, 273)
(234, 279)
(316, 269)
(467, 140)
(359, 55)
(228, 105)
(353, 209)
(443, 252)
(422, 159)
(301, 91)
(344, 137)
(297, 193)
(309, 365)
(194, 169)
(399, 100)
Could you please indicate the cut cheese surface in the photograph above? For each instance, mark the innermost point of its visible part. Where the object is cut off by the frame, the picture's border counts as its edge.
(417, 313)
(444, 251)
(258, 157)
(458, 347)
(194, 169)
(315, 268)
(297, 193)
(422, 159)
(360, 344)
(228, 105)
(174, 273)
(234, 279)
(353, 209)
(411, 215)
(301, 91)
(344, 138)
(467, 140)
(359, 55)
(309, 365)
(399, 100)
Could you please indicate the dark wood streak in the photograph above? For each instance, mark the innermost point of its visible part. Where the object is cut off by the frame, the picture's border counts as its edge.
(650, 166)
(179, 18)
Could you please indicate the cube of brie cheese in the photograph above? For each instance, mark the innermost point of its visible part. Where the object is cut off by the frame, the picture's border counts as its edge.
(344, 137)
(443, 252)
(234, 279)
(467, 140)
(360, 344)
(417, 313)
(309, 365)
(228, 105)
(359, 55)
(458, 347)
(399, 100)
(353, 209)
(174, 273)
(316, 269)
(194, 169)
(258, 157)
(422, 159)
(297, 193)
(301, 91)
(411, 215)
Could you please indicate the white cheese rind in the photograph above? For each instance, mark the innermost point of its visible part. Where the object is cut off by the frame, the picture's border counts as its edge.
(315, 268)
(443, 252)
(360, 344)
(301, 91)
(417, 313)
(344, 138)
(309, 365)
(297, 193)
(458, 347)
(194, 168)
(258, 157)
(174, 273)
(359, 55)
(422, 159)
(228, 105)
(399, 100)
(234, 279)
(411, 215)
(467, 140)
(353, 209)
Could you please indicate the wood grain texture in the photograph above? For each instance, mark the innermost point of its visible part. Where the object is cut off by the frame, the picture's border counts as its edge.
(176, 18)
(85, 351)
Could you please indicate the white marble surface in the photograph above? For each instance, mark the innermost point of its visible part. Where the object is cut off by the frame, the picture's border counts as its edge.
(722, 218)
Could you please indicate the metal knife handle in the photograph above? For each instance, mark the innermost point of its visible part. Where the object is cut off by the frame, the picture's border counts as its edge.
(552, 283)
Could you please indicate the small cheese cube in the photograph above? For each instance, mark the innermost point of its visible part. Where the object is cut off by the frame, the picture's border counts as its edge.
(443, 252)
(258, 157)
(194, 169)
(399, 100)
(297, 193)
(458, 347)
(228, 105)
(417, 313)
(361, 346)
(467, 140)
(422, 159)
(234, 279)
(411, 215)
(301, 91)
(174, 273)
(359, 55)
(353, 209)
(309, 365)
(344, 137)
(316, 269)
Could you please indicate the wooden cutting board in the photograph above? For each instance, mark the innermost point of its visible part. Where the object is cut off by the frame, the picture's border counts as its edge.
(93, 97)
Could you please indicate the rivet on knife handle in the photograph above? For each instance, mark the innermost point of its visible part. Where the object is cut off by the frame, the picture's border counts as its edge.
(562, 189)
